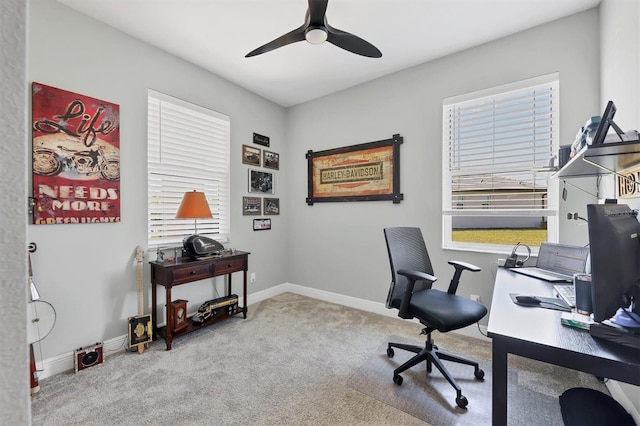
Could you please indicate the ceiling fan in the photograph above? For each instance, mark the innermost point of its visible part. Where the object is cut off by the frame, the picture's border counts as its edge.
(316, 30)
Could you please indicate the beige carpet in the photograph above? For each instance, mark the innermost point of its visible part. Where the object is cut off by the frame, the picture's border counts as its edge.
(293, 361)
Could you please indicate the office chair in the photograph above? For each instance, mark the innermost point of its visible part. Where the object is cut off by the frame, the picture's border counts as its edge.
(411, 293)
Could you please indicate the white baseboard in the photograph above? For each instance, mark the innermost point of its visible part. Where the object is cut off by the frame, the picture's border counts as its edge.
(65, 362)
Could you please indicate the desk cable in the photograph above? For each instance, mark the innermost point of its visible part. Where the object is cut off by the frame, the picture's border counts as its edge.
(480, 330)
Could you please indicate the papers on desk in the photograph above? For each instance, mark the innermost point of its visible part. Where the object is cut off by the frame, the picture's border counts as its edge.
(574, 319)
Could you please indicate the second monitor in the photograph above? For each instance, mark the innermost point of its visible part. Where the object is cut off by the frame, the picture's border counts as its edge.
(614, 237)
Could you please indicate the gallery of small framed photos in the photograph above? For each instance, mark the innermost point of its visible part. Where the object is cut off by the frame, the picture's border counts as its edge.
(261, 184)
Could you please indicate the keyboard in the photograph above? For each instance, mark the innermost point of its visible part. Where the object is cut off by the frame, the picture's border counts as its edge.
(567, 293)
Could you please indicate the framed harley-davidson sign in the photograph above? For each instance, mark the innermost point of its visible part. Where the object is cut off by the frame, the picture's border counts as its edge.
(76, 157)
(364, 172)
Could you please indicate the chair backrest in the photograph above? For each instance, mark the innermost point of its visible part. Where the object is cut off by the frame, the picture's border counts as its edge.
(407, 250)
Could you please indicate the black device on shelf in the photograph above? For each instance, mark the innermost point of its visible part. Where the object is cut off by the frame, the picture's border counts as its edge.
(614, 236)
(605, 123)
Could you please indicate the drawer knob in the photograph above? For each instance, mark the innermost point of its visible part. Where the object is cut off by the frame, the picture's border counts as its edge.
(192, 272)
(229, 265)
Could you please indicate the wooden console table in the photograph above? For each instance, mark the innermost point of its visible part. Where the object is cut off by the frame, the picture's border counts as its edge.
(186, 270)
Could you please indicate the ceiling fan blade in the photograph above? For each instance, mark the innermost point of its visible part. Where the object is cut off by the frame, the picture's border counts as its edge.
(290, 37)
(352, 43)
(317, 11)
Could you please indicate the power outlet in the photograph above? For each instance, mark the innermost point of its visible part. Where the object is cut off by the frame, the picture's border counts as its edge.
(252, 277)
(475, 298)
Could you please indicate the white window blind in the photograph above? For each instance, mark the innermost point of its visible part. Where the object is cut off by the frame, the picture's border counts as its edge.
(497, 147)
(188, 149)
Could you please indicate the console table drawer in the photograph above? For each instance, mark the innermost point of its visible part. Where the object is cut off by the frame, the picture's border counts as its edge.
(192, 273)
(229, 265)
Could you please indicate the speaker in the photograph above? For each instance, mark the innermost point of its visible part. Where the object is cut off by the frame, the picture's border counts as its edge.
(87, 356)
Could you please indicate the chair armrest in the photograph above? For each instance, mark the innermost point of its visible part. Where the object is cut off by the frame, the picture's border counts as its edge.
(413, 276)
(460, 266)
(417, 276)
(465, 265)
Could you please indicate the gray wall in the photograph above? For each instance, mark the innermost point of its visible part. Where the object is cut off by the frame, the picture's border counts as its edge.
(339, 247)
(87, 271)
(14, 356)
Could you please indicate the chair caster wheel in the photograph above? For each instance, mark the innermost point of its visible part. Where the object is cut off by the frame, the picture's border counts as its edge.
(462, 401)
(390, 352)
(479, 374)
(397, 379)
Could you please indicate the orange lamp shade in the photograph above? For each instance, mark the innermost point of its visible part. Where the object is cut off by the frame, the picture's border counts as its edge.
(194, 205)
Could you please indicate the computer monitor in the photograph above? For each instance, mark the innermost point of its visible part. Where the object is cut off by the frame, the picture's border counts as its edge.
(605, 122)
(614, 238)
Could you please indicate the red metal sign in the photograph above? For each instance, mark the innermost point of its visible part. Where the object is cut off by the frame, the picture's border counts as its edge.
(76, 157)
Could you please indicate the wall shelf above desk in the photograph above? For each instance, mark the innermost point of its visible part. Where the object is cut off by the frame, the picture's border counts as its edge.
(602, 160)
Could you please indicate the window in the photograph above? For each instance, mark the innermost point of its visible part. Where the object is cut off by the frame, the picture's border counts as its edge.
(497, 186)
(188, 149)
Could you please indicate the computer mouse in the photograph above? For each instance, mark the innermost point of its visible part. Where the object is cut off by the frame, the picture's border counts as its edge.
(528, 300)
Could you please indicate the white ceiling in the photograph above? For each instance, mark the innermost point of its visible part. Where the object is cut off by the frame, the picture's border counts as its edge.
(217, 34)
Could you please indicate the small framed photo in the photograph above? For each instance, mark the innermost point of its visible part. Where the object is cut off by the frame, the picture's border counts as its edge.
(251, 206)
(261, 224)
(271, 205)
(261, 182)
(271, 160)
(250, 155)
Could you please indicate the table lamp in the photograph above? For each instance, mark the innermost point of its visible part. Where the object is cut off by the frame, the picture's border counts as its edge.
(194, 206)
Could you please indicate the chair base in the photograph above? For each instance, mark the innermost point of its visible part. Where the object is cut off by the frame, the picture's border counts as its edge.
(433, 356)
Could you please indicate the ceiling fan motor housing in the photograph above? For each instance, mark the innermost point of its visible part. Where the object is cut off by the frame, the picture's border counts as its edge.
(315, 35)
